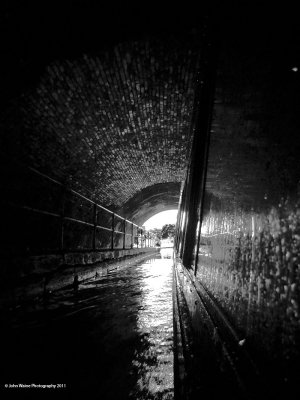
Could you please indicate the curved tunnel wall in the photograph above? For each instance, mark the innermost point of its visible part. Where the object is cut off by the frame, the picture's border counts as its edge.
(114, 125)
(109, 125)
(151, 201)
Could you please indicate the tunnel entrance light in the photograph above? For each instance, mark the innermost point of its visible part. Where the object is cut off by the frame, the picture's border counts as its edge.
(162, 226)
(160, 219)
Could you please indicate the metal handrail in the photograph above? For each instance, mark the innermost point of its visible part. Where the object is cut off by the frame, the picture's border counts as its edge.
(138, 238)
(79, 195)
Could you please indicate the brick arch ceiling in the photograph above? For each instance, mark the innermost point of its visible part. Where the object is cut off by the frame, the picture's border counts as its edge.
(117, 123)
(150, 201)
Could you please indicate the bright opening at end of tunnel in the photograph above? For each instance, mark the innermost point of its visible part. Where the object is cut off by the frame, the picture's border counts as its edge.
(161, 219)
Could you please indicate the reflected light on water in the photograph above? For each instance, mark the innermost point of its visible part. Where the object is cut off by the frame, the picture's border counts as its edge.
(167, 252)
(155, 364)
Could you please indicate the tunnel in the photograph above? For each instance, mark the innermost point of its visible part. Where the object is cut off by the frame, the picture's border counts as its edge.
(110, 114)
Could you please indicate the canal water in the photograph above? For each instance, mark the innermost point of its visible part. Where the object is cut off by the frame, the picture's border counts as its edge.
(112, 338)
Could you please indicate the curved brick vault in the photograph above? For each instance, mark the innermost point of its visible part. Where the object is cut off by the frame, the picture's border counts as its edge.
(115, 126)
(151, 200)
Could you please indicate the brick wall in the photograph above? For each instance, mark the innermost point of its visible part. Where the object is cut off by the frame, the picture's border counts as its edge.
(113, 124)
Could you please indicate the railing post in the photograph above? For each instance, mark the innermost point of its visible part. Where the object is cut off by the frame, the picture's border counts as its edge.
(124, 234)
(64, 218)
(95, 225)
(112, 230)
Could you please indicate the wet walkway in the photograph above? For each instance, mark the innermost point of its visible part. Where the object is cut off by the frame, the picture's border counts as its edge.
(110, 339)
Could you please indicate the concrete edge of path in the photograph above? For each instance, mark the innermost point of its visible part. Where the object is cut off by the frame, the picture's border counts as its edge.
(53, 272)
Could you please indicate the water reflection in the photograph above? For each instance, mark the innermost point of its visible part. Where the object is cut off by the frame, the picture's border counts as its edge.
(120, 325)
(167, 252)
(155, 364)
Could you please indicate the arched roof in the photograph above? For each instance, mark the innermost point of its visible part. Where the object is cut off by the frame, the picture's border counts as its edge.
(115, 125)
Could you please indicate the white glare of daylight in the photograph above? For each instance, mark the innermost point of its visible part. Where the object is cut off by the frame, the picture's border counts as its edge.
(161, 219)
